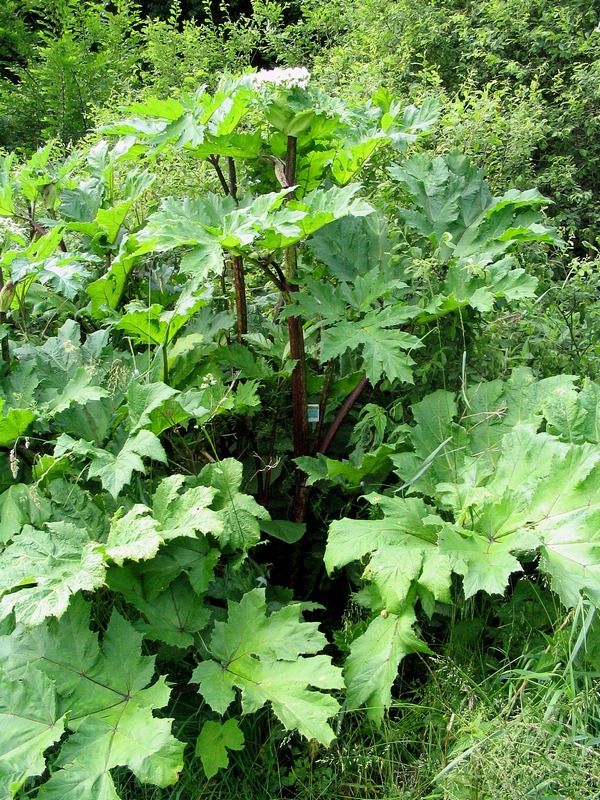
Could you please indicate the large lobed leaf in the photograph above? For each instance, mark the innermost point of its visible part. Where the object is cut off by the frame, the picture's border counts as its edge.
(41, 570)
(104, 689)
(269, 658)
(29, 725)
(509, 493)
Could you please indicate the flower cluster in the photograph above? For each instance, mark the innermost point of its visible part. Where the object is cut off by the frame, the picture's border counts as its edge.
(9, 228)
(286, 78)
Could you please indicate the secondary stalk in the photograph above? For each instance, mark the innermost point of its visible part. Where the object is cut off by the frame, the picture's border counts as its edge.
(297, 352)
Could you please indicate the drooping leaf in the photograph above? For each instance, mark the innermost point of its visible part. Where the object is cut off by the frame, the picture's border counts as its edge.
(143, 399)
(371, 668)
(238, 512)
(20, 505)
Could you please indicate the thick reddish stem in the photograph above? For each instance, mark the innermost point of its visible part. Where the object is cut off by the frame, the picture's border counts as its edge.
(342, 413)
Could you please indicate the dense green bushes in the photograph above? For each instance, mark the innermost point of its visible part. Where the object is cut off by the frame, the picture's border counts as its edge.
(166, 295)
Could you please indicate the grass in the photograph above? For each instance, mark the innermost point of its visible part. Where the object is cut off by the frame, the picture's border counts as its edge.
(529, 730)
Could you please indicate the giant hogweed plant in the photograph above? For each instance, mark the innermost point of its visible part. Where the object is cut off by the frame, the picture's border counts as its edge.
(128, 541)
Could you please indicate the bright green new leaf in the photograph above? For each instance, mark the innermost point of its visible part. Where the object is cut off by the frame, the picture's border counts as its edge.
(259, 654)
(14, 424)
(157, 325)
(565, 415)
(301, 218)
(107, 292)
(350, 540)
(134, 536)
(139, 533)
(215, 739)
(485, 564)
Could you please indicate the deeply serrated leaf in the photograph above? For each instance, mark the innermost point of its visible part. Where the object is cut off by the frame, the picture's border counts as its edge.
(115, 471)
(259, 654)
(239, 513)
(105, 690)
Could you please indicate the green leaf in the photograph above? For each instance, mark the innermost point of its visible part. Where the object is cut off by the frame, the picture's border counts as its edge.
(80, 389)
(371, 668)
(383, 348)
(134, 536)
(41, 570)
(438, 443)
(143, 399)
(21, 504)
(155, 324)
(350, 540)
(71, 503)
(565, 416)
(187, 513)
(238, 512)
(14, 424)
(29, 725)
(140, 532)
(213, 742)
(589, 399)
(352, 246)
(194, 557)
(393, 569)
(260, 655)
(288, 532)
(176, 615)
(173, 616)
(104, 688)
(486, 564)
(115, 471)
(301, 218)
(108, 290)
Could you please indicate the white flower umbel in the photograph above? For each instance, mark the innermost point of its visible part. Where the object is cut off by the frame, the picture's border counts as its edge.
(286, 78)
(8, 227)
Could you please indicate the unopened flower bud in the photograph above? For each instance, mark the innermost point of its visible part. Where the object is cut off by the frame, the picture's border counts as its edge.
(7, 294)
